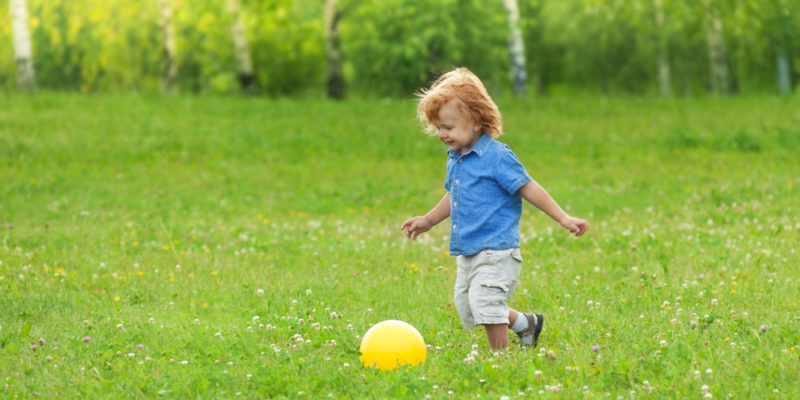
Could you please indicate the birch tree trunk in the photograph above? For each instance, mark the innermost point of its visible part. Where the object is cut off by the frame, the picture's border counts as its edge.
(23, 53)
(516, 50)
(333, 52)
(245, 70)
(664, 73)
(720, 74)
(784, 73)
(170, 71)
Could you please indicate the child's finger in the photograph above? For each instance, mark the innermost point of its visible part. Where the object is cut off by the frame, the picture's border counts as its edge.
(574, 228)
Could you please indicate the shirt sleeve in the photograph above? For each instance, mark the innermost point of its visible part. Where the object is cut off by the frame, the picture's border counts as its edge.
(510, 173)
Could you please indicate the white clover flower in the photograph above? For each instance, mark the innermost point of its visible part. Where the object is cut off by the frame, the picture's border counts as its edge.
(260, 292)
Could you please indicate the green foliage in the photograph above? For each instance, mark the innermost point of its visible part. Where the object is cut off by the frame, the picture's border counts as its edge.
(287, 44)
(395, 47)
(398, 46)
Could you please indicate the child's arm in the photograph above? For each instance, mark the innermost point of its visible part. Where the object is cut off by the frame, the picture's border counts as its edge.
(536, 195)
(415, 226)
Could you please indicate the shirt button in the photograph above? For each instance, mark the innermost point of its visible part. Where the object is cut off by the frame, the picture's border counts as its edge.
(456, 181)
(460, 160)
(454, 226)
(455, 203)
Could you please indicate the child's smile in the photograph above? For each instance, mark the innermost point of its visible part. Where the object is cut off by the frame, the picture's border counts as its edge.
(455, 130)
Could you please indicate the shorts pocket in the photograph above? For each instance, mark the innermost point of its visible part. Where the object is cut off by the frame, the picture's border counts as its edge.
(517, 255)
(492, 256)
(491, 300)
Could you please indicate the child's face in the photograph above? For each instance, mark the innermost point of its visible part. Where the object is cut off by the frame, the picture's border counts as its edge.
(455, 129)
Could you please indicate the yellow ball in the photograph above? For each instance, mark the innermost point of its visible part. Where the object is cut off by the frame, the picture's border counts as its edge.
(390, 344)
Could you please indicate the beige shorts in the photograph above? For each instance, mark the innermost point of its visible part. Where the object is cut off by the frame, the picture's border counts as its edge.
(484, 283)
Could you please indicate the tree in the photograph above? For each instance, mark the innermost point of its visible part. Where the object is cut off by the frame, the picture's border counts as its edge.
(781, 38)
(333, 53)
(717, 55)
(664, 74)
(170, 71)
(245, 70)
(516, 50)
(23, 53)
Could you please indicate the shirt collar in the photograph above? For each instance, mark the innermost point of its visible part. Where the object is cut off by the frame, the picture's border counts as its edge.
(478, 148)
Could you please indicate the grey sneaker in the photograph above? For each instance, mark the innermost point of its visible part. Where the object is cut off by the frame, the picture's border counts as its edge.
(535, 324)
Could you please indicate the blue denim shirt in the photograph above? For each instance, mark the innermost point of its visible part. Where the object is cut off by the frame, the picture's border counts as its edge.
(485, 207)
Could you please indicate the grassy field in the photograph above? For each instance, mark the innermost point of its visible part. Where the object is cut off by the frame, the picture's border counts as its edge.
(215, 247)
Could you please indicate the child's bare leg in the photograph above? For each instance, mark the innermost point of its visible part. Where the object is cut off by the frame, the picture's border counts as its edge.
(498, 333)
(498, 336)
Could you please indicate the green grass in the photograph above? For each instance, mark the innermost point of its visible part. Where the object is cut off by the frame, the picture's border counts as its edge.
(154, 221)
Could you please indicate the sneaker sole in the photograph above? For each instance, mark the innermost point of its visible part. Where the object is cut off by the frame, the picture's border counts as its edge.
(539, 326)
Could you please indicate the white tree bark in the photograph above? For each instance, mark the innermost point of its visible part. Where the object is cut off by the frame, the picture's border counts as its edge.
(784, 73)
(242, 51)
(720, 74)
(516, 50)
(170, 72)
(333, 53)
(664, 73)
(23, 53)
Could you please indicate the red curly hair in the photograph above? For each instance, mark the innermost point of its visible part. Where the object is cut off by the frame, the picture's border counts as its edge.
(474, 101)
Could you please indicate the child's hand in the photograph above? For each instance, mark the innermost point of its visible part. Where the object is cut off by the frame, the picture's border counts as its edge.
(574, 225)
(413, 227)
